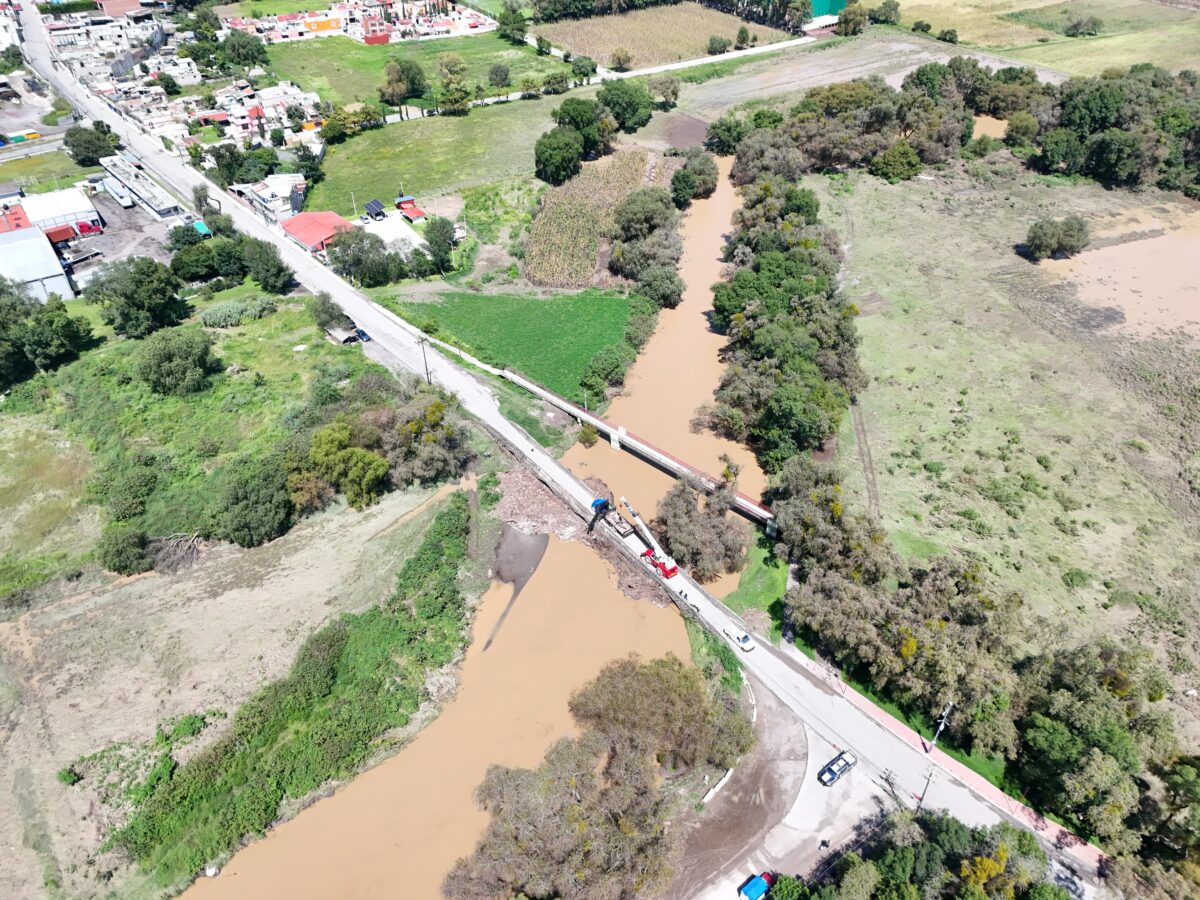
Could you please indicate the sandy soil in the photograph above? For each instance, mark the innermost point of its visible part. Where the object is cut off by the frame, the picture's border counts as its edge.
(396, 830)
(1143, 266)
(680, 362)
(990, 126)
(108, 665)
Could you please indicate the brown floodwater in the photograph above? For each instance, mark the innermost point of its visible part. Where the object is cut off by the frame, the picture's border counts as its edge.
(676, 373)
(989, 126)
(396, 830)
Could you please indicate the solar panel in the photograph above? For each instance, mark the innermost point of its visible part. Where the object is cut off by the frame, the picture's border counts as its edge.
(374, 208)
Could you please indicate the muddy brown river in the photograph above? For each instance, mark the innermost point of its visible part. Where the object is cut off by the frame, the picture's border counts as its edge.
(676, 373)
(396, 830)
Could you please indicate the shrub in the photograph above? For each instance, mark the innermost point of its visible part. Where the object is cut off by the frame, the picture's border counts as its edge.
(558, 154)
(704, 169)
(724, 135)
(498, 76)
(556, 83)
(1051, 237)
(718, 45)
(234, 312)
(948, 36)
(327, 314)
(662, 286)
(122, 549)
(922, 27)
(588, 435)
(254, 504)
(683, 188)
(886, 13)
(1022, 129)
(899, 162)
(766, 118)
(1075, 578)
(644, 211)
(1083, 26)
(176, 362)
(620, 60)
(851, 20)
(69, 776)
(743, 37)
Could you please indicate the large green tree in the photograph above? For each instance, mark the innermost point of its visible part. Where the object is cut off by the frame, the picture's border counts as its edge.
(558, 154)
(137, 296)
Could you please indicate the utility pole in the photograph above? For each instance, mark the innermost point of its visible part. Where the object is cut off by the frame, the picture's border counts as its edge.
(941, 724)
(423, 341)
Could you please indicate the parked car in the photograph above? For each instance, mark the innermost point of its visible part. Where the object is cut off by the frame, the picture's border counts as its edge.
(362, 335)
(837, 767)
(744, 642)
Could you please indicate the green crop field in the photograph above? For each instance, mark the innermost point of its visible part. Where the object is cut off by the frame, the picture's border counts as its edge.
(434, 155)
(1134, 31)
(1001, 423)
(45, 171)
(344, 71)
(551, 339)
(256, 8)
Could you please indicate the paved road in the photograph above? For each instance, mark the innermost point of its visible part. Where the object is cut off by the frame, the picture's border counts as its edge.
(889, 752)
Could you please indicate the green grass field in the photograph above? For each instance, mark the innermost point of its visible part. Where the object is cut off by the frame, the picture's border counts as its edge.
(994, 433)
(434, 155)
(45, 171)
(256, 8)
(762, 585)
(550, 339)
(343, 71)
(1134, 31)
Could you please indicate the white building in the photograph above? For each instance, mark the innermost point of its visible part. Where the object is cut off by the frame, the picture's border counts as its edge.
(27, 258)
(66, 207)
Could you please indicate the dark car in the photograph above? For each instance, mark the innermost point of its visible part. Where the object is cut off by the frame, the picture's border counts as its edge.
(362, 335)
(837, 767)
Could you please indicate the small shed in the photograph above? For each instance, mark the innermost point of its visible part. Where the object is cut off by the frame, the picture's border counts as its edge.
(408, 208)
(374, 209)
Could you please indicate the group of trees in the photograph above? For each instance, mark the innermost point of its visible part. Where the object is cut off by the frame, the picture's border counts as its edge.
(646, 247)
(701, 536)
(932, 854)
(1125, 128)
(36, 336)
(591, 820)
(697, 177)
(232, 259)
(792, 346)
(585, 128)
(238, 52)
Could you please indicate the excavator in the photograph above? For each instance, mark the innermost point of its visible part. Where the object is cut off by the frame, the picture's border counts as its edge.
(654, 556)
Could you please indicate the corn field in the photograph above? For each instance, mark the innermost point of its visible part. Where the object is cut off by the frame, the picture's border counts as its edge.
(571, 221)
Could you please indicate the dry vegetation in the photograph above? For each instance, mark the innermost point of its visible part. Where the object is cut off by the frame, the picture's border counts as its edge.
(565, 236)
(654, 36)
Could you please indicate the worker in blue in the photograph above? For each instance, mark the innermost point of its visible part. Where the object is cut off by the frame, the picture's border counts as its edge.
(600, 507)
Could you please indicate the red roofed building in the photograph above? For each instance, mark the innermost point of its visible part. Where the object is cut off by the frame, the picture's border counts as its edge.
(115, 8)
(13, 218)
(314, 230)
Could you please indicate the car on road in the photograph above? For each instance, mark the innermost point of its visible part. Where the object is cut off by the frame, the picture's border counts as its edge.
(744, 642)
(362, 335)
(837, 767)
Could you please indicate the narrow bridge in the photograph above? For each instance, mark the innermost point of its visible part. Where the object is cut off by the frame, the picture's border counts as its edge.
(620, 439)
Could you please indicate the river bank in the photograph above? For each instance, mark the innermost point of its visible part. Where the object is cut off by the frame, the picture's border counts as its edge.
(397, 829)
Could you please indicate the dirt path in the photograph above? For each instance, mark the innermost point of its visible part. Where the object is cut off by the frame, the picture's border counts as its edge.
(863, 444)
(676, 373)
(396, 830)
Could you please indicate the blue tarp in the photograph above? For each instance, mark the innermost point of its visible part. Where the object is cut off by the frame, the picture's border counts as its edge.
(202, 228)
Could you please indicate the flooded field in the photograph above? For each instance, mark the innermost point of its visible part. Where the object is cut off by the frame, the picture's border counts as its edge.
(676, 373)
(1145, 267)
(396, 830)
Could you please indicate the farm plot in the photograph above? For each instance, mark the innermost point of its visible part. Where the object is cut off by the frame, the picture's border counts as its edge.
(654, 36)
(566, 232)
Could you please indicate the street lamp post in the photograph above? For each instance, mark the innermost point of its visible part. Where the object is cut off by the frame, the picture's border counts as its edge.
(423, 341)
(941, 724)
